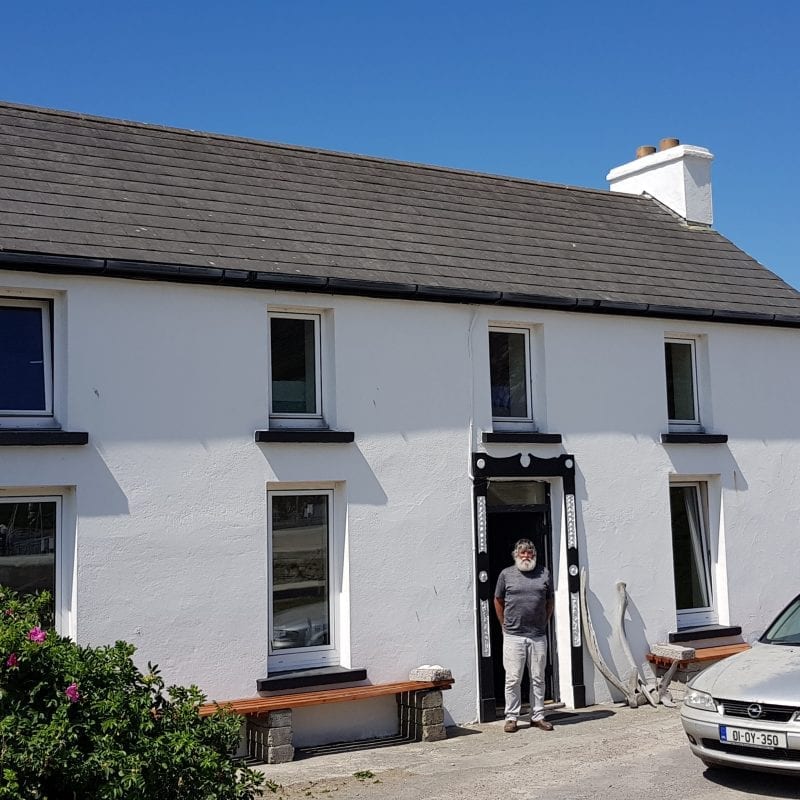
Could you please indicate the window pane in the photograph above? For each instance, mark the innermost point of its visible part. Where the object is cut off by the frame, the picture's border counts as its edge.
(300, 598)
(689, 549)
(680, 380)
(508, 374)
(22, 368)
(293, 366)
(28, 547)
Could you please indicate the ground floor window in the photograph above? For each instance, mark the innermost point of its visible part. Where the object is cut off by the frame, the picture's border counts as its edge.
(301, 619)
(30, 546)
(691, 554)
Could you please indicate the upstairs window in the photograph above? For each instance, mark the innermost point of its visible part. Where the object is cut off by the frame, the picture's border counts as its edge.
(509, 371)
(26, 372)
(295, 367)
(681, 368)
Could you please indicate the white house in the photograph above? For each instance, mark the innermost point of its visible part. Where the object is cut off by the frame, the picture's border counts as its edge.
(268, 409)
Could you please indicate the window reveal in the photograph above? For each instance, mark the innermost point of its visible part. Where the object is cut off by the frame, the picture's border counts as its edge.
(300, 547)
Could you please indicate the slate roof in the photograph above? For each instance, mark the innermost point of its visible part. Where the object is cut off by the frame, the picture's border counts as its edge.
(119, 196)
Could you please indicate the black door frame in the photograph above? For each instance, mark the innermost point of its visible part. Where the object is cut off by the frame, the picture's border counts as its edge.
(485, 467)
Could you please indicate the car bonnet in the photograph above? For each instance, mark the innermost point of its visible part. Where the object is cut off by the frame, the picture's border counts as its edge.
(767, 673)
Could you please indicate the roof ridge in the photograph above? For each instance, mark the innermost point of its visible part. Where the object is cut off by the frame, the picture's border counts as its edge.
(159, 128)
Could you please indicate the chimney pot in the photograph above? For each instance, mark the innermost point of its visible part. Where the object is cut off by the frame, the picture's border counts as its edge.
(645, 150)
(666, 144)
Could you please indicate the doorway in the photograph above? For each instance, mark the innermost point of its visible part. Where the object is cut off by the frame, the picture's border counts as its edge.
(517, 510)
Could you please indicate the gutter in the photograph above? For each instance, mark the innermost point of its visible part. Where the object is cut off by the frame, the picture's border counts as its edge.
(218, 276)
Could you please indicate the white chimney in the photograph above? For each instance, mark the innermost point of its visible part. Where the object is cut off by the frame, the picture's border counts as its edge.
(678, 175)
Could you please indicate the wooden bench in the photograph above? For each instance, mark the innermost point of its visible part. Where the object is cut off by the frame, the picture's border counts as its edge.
(269, 719)
(701, 656)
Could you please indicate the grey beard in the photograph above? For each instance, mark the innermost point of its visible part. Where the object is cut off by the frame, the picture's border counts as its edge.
(525, 566)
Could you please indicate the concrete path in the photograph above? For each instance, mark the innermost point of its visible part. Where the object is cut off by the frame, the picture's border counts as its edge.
(602, 753)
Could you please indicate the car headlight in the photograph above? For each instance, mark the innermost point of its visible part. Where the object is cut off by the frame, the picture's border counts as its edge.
(701, 700)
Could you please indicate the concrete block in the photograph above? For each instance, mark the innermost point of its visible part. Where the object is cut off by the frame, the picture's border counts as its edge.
(433, 733)
(430, 672)
(429, 699)
(280, 754)
(674, 651)
(278, 719)
(431, 716)
(279, 736)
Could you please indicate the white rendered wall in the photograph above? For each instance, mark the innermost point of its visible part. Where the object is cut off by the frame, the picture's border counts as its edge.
(170, 494)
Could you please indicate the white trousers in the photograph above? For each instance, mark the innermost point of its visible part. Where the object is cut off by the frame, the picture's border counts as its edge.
(519, 651)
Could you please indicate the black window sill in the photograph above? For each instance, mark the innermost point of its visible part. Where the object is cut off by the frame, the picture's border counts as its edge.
(694, 438)
(704, 632)
(520, 437)
(39, 438)
(308, 435)
(303, 678)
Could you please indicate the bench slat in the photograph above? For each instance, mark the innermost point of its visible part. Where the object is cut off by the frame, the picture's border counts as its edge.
(255, 706)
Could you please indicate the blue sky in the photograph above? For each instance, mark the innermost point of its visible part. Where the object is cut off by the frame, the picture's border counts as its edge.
(557, 92)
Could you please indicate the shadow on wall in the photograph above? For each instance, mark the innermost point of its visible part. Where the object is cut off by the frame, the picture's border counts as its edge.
(331, 462)
(98, 493)
(702, 460)
(106, 498)
(605, 636)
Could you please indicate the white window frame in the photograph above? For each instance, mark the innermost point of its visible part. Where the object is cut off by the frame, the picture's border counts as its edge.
(315, 419)
(498, 423)
(62, 593)
(707, 615)
(694, 424)
(31, 418)
(303, 657)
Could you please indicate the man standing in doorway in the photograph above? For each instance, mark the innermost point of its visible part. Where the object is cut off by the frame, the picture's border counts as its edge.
(523, 601)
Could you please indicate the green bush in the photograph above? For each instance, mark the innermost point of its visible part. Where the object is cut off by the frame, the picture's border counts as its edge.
(83, 723)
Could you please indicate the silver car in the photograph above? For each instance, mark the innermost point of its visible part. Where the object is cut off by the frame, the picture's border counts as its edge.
(745, 711)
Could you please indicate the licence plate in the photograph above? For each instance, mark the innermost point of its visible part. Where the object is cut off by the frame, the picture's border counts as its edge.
(750, 738)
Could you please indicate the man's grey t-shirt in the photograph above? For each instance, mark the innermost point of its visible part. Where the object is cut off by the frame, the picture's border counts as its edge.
(525, 595)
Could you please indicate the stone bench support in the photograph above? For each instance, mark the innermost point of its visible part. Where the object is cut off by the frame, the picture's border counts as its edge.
(269, 737)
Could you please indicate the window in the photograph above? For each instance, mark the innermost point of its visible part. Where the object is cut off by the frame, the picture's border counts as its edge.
(509, 373)
(681, 365)
(30, 546)
(691, 554)
(26, 372)
(295, 367)
(301, 596)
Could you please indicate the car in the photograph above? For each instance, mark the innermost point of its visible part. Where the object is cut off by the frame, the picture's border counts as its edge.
(744, 711)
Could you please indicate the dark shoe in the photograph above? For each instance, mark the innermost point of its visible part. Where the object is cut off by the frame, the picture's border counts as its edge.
(510, 726)
(541, 724)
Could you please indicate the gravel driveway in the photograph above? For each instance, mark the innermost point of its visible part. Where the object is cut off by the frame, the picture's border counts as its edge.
(601, 753)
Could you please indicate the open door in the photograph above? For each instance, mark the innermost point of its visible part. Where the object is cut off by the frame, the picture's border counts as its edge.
(517, 510)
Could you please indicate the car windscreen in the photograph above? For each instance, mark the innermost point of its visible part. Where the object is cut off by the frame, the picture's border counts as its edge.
(786, 628)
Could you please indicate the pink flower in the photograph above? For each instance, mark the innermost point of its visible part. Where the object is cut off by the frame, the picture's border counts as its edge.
(37, 634)
(12, 661)
(9, 612)
(72, 693)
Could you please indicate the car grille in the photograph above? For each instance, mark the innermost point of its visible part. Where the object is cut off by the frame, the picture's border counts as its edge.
(776, 754)
(773, 713)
